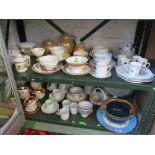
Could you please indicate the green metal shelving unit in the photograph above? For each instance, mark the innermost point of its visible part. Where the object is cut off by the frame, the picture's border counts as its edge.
(76, 124)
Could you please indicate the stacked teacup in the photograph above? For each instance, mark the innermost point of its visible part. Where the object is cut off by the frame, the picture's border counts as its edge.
(102, 59)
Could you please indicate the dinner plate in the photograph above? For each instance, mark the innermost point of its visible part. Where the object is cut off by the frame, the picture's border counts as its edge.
(47, 111)
(37, 68)
(86, 70)
(125, 127)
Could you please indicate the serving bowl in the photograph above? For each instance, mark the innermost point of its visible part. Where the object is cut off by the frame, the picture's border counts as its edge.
(48, 62)
(38, 52)
(118, 110)
(76, 61)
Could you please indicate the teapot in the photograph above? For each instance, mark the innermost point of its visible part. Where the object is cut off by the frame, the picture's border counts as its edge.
(97, 96)
(127, 49)
(68, 42)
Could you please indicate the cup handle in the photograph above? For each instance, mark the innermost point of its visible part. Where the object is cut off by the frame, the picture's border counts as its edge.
(28, 62)
(148, 64)
(109, 69)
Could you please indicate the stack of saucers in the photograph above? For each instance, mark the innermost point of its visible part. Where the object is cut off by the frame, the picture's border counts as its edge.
(117, 115)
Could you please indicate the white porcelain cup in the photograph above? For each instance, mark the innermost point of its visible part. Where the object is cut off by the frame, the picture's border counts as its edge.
(66, 103)
(64, 113)
(35, 85)
(121, 56)
(136, 58)
(105, 57)
(135, 68)
(100, 70)
(144, 62)
(123, 61)
(73, 108)
(58, 51)
(100, 48)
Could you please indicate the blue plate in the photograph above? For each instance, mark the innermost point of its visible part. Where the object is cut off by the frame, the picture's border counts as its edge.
(124, 127)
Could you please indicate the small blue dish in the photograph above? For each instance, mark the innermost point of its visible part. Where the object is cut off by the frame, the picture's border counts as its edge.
(123, 127)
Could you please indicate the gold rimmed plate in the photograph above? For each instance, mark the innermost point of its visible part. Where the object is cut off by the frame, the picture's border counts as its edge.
(86, 70)
(37, 68)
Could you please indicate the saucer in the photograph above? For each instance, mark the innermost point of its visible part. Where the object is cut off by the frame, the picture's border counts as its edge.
(86, 70)
(46, 111)
(35, 111)
(145, 75)
(101, 77)
(37, 68)
(123, 127)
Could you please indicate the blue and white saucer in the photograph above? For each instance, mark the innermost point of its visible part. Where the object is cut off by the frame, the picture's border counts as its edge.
(124, 127)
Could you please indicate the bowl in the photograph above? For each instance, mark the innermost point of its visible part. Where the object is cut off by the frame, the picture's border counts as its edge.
(118, 110)
(76, 61)
(38, 52)
(48, 62)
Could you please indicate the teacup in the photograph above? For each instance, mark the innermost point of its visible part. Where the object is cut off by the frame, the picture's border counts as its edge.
(101, 70)
(135, 68)
(123, 61)
(58, 51)
(21, 63)
(85, 108)
(64, 113)
(76, 69)
(38, 52)
(39, 92)
(23, 90)
(30, 103)
(136, 58)
(36, 85)
(105, 57)
(144, 62)
(48, 62)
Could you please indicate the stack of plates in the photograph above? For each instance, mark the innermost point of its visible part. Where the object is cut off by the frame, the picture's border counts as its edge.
(123, 127)
(145, 75)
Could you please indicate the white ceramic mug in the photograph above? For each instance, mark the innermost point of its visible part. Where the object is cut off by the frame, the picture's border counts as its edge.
(73, 108)
(66, 103)
(100, 70)
(123, 61)
(58, 51)
(144, 62)
(64, 113)
(135, 68)
(136, 58)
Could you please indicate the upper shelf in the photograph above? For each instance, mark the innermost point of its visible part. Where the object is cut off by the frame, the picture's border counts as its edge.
(61, 77)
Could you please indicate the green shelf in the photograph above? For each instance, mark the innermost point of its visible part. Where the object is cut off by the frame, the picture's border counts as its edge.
(90, 122)
(61, 77)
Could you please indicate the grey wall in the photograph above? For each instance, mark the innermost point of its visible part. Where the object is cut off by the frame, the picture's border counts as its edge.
(111, 35)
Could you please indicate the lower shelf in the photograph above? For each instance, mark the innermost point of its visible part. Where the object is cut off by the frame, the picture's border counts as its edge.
(89, 124)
